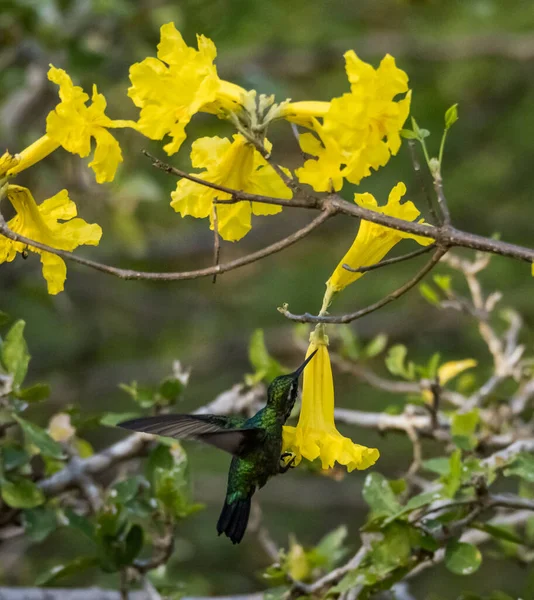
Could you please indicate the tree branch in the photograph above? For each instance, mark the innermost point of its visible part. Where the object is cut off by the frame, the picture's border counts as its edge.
(347, 318)
(179, 276)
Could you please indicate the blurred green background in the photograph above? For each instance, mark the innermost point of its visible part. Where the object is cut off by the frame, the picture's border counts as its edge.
(103, 331)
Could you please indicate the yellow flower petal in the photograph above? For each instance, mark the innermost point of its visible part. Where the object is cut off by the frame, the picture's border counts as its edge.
(359, 130)
(33, 153)
(50, 223)
(236, 165)
(315, 435)
(449, 370)
(170, 89)
(73, 125)
(374, 241)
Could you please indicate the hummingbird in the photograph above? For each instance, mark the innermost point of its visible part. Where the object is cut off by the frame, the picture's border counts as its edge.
(255, 445)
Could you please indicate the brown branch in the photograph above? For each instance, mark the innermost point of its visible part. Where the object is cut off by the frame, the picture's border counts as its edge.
(216, 241)
(347, 318)
(391, 261)
(237, 195)
(419, 176)
(179, 276)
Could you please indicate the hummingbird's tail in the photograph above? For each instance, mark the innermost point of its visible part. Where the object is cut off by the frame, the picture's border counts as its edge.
(234, 518)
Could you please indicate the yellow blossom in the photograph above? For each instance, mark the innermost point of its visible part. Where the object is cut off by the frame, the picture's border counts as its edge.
(51, 223)
(315, 435)
(450, 370)
(60, 427)
(72, 125)
(170, 89)
(373, 241)
(364, 123)
(236, 165)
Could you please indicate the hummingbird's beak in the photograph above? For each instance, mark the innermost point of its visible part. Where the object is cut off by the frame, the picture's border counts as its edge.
(296, 374)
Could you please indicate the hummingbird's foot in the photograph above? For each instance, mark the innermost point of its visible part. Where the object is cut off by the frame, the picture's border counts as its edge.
(285, 466)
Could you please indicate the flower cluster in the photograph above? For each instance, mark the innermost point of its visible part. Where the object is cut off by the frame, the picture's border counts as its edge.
(347, 138)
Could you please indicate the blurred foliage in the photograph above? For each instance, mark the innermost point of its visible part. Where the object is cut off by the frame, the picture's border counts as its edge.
(103, 331)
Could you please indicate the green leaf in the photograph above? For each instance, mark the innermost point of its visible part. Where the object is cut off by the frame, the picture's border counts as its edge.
(39, 522)
(463, 428)
(13, 456)
(14, 353)
(111, 419)
(413, 504)
(379, 496)
(376, 345)
(34, 393)
(82, 524)
(159, 458)
(77, 565)
(21, 493)
(133, 545)
(499, 532)
(423, 133)
(462, 558)
(451, 116)
(144, 396)
(408, 134)
(39, 437)
(330, 550)
(453, 479)
(440, 465)
(265, 366)
(522, 466)
(443, 282)
(171, 389)
(429, 294)
(126, 490)
(395, 362)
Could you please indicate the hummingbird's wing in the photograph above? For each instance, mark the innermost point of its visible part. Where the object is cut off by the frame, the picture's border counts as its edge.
(219, 431)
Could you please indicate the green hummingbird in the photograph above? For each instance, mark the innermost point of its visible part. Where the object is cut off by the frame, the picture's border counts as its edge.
(255, 444)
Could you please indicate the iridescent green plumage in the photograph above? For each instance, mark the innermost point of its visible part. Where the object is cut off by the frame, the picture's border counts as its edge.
(255, 443)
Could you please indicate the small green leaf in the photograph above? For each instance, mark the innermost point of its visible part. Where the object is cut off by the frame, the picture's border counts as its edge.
(463, 428)
(462, 558)
(14, 353)
(395, 362)
(376, 345)
(408, 134)
(451, 116)
(440, 465)
(423, 133)
(429, 294)
(78, 565)
(443, 282)
(522, 466)
(39, 437)
(81, 523)
(379, 496)
(34, 393)
(453, 479)
(126, 490)
(21, 493)
(171, 389)
(39, 522)
(13, 456)
(111, 419)
(144, 396)
(133, 545)
(499, 532)
(260, 359)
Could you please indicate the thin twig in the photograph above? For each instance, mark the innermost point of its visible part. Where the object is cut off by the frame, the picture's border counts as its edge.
(442, 200)
(347, 318)
(216, 241)
(420, 178)
(237, 195)
(391, 261)
(179, 276)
